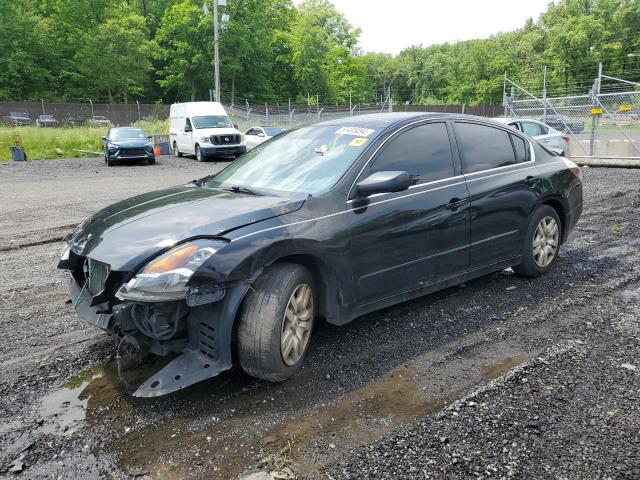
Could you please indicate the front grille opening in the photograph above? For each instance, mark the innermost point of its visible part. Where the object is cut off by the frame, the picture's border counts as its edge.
(231, 139)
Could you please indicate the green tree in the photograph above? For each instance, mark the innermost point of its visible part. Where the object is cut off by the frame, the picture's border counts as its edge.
(116, 57)
(183, 51)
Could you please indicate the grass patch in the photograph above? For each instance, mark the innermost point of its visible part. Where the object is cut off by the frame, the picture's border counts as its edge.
(73, 142)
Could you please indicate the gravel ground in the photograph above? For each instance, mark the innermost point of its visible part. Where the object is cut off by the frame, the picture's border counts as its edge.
(505, 377)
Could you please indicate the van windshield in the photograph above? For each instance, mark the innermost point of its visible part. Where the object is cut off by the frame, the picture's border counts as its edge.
(212, 121)
(308, 160)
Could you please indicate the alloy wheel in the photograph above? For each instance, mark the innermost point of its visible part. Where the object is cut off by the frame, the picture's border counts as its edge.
(297, 324)
(545, 241)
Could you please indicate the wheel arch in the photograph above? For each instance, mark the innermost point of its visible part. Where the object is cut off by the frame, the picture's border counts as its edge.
(326, 282)
(557, 205)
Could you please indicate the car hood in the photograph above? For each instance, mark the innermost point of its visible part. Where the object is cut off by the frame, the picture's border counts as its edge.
(125, 234)
(130, 142)
(204, 132)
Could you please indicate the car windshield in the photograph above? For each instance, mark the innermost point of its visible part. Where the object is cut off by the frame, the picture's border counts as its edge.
(308, 160)
(121, 134)
(273, 131)
(212, 121)
(18, 114)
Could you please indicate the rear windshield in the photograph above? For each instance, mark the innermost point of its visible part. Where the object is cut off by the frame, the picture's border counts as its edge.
(308, 160)
(273, 131)
(212, 121)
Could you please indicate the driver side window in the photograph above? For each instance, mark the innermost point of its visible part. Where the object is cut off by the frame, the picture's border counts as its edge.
(424, 152)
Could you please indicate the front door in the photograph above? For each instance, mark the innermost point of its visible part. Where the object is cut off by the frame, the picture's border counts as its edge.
(186, 137)
(407, 240)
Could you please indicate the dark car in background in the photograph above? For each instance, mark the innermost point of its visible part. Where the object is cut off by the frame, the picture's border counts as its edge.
(125, 144)
(333, 220)
(564, 124)
(18, 119)
(46, 121)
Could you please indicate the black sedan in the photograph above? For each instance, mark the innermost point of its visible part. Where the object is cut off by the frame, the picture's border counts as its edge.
(127, 144)
(333, 220)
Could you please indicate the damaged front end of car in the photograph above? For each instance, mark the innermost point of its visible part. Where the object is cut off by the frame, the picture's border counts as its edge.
(157, 308)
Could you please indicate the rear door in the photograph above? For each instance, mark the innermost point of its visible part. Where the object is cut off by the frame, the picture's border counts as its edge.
(501, 178)
(406, 240)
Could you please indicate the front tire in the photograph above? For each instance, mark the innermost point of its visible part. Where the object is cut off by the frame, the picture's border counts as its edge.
(276, 323)
(110, 163)
(541, 243)
(199, 156)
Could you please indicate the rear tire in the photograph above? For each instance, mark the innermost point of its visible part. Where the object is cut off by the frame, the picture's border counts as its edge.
(276, 322)
(541, 243)
(176, 150)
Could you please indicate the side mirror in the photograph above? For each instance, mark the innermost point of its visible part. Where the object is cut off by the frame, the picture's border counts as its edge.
(235, 125)
(105, 138)
(187, 128)
(384, 182)
(150, 137)
(261, 134)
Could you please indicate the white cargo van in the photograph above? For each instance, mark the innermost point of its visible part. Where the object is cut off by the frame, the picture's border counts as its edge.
(205, 130)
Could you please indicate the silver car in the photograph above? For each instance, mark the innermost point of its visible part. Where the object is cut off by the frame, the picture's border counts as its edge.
(257, 135)
(549, 137)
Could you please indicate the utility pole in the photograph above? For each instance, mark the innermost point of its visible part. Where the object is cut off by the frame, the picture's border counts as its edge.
(594, 118)
(216, 58)
(544, 95)
(350, 110)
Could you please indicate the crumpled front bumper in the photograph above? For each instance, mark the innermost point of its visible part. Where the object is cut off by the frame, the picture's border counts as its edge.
(207, 351)
(81, 301)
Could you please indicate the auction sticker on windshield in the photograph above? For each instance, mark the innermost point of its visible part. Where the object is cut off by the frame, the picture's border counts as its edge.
(357, 142)
(355, 131)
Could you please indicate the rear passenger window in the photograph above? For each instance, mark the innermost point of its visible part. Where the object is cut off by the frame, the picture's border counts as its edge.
(483, 147)
(522, 152)
(424, 152)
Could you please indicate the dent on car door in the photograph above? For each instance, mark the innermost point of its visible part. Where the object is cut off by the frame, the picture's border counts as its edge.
(405, 240)
(501, 179)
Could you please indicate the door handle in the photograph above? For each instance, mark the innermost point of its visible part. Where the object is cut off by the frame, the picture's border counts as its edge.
(454, 204)
(530, 179)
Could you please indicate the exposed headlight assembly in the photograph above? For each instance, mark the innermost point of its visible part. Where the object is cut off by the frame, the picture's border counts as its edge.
(165, 278)
(205, 139)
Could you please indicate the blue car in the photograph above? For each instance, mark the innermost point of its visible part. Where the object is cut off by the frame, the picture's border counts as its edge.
(127, 144)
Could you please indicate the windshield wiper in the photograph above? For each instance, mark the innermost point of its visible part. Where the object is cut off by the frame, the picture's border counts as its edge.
(242, 189)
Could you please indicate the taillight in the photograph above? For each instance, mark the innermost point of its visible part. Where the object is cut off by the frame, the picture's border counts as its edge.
(573, 167)
(565, 138)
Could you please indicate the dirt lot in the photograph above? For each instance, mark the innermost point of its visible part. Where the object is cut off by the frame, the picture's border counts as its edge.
(501, 378)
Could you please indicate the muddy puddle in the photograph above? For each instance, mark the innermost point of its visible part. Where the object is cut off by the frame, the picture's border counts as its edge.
(489, 372)
(224, 426)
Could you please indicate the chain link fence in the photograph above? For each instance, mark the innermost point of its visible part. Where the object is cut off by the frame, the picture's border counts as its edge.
(245, 115)
(74, 114)
(600, 125)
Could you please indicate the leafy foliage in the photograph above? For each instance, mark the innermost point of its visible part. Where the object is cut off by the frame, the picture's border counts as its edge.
(271, 51)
